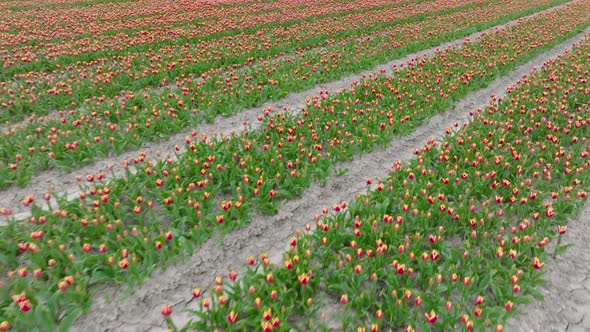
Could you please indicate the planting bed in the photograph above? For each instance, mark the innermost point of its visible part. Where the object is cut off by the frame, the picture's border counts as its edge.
(295, 175)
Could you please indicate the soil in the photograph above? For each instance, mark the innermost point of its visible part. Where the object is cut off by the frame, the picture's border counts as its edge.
(566, 303)
(567, 293)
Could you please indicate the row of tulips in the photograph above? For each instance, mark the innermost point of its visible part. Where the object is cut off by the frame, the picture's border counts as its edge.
(21, 60)
(101, 21)
(123, 229)
(110, 128)
(454, 239)
(108, 70)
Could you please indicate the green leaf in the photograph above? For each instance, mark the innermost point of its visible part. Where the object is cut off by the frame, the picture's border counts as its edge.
(190, 248)
(522, 300)
(342, 171)
(384, 206)
(496, 291)
(487, 280)
(101, 276)
(66, 321)
(182, 242)
(44, 318)
(561, 249)
(535, 293)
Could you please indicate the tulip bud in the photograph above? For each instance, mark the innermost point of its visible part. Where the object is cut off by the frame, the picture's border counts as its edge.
(166, 310)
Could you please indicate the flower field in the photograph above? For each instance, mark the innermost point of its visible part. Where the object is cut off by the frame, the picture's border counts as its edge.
(116, 113)
(455, 238)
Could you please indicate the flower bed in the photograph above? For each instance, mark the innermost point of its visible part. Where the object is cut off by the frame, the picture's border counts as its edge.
(455, 239)
(124, 229)
(108, 126)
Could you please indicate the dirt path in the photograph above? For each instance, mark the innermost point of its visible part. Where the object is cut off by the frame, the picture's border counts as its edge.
(55, 181)
(140, 311)
(566, 306)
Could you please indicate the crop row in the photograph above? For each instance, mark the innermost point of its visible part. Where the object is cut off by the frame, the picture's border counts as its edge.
(109, 128)
(53, 56)
(103, 21)
(454, 239)
(124, 229)
(105, 73)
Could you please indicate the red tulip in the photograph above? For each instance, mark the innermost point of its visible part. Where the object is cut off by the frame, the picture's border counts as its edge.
(28, 200)
(196, 293)
(25, 305)
(344, 299)
(166, 310)
(448, 305)
(303, 279)
(267, 314)
(431, 317)
(232, 317)
(537, 264)
(123, 264)
(508, 305)
(266, 326)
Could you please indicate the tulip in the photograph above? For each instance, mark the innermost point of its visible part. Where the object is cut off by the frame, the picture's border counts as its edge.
(166, 310)
(232, 317)
(205, 303)
(25, 305)
(431, 317)
(358, 269)
(267, 314)
(448, 305)
(303, 279)
(251, 260)
(479, 300)
(508, 305)
(344, 299)
(266, 326)
(276, 322)
(4, 326)
(478, 311)
(196, 293)
(537, 264)
(123, 264)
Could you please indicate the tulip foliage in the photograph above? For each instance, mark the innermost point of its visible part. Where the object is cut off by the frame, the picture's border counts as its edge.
(103, 109)
(435, 243)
